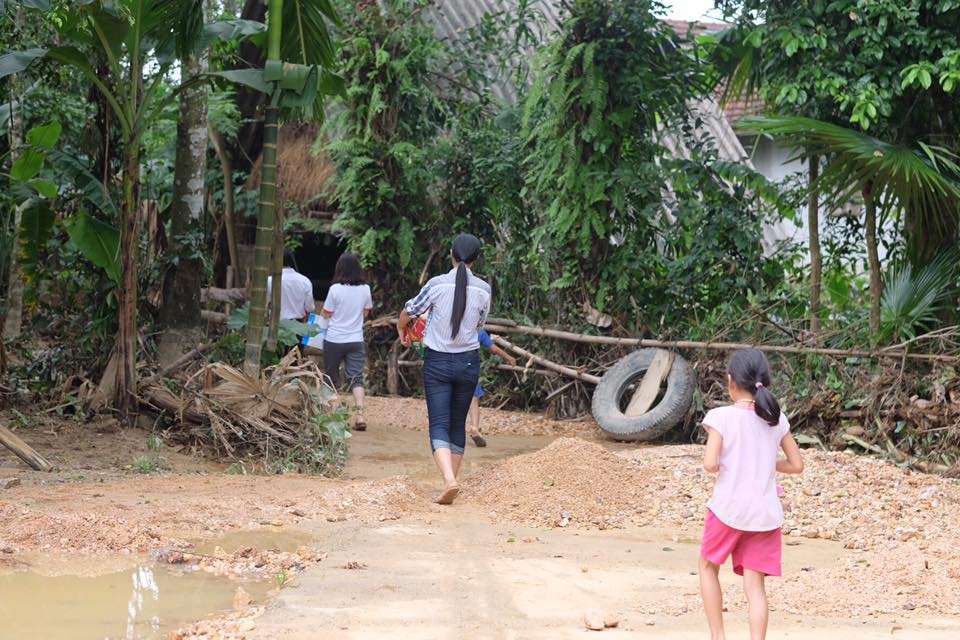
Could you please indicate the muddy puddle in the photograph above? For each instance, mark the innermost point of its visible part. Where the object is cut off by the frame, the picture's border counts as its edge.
(121, 598)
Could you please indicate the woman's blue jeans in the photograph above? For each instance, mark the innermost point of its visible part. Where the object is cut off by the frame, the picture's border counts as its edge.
(449, 380)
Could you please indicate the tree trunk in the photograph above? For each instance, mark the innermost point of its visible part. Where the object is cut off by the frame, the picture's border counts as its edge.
(219, 145)
(180, 311)
(816, 258)
(873, 258)
(277, 273)
(14, 311)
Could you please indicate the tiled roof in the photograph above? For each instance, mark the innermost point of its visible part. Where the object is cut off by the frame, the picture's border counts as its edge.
(687, 28)
(742, 107)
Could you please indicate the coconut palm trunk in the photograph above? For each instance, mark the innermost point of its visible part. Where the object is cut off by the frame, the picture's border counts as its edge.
(268, 205)
(816, 258)
(126, 348)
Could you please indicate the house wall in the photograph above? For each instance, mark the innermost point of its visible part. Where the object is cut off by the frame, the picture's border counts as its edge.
(776, 162)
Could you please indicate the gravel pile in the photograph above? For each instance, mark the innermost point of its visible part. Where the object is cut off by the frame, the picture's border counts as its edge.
(570, 482)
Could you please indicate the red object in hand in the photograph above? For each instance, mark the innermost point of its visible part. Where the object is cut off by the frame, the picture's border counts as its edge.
(415, 330)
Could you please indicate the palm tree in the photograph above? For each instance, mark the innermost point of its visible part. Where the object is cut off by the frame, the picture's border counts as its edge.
(295, 77)
(126, 34)
(919, 180)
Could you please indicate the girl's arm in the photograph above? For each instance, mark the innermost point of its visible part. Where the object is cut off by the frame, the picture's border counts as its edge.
(503, 354)
(793, 463)
(711, 460)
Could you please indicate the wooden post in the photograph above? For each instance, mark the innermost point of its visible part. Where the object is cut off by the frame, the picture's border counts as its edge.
(393, 374)
(23, 451)
(649, 386)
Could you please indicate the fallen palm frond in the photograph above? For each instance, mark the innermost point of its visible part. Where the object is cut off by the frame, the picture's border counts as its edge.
(222, 408)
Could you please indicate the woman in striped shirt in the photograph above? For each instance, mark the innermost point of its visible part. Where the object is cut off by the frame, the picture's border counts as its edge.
(458, 303)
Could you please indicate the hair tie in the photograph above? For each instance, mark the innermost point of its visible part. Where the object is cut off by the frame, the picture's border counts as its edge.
(759, 384)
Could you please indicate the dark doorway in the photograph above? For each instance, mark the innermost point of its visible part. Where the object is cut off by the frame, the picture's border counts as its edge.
(317, 258)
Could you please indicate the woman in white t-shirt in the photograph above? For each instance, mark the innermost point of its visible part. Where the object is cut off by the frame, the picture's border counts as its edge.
(348, 303)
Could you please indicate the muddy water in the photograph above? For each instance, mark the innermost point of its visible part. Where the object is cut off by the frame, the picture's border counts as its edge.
(111, 599)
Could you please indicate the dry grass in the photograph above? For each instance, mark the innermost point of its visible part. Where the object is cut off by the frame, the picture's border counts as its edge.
(304, 176)
(223, 408)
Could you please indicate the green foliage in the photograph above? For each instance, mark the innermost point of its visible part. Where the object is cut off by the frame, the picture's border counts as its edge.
(860, 62)
(288, 331)
(912, 299)
(320, 449)
(150, 463)
(613, 81)
(98, 241)
(381, 138)
(888, 67)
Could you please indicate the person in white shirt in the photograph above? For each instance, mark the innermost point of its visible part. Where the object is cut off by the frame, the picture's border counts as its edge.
(348, 303)
(296, 292)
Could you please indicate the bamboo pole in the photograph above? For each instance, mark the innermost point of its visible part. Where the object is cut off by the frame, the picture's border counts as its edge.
(547, 364)
(720, 346)
(23, 451)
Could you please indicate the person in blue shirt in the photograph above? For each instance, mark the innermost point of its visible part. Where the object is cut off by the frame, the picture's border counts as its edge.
(473, 417)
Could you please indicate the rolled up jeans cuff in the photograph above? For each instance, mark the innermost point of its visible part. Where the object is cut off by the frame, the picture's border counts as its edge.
(443, 444)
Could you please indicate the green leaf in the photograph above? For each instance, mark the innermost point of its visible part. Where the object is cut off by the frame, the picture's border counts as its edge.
(98, 241)
(27, 166)
(83, 181)
(232, 30)
(46, 188)
(45, 135)
(252, 78)
(17, 61)
(35, 227)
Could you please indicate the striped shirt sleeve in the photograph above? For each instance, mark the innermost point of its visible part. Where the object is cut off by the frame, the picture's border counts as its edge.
(421, 303)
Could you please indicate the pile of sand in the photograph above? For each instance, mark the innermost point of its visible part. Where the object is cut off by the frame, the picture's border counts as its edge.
(569, 482)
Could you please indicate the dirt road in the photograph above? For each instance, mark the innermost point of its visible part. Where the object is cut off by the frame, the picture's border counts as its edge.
(495, 565)
(452, 573)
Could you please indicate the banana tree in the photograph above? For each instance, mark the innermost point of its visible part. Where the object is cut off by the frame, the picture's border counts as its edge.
(127, 34)
(921, 180)
(295, 78)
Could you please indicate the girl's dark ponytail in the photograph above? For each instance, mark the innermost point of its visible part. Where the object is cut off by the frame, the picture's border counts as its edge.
(766, 405)
(751, 371)
(466, 250)
(459, 299)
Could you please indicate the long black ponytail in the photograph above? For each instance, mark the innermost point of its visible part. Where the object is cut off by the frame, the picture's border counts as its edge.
(751, 371)
(466, 250)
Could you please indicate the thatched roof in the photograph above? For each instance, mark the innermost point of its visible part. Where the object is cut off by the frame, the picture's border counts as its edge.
(304, 176)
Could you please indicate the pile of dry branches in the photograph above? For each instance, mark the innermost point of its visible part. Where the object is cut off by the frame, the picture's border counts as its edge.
(222, 408)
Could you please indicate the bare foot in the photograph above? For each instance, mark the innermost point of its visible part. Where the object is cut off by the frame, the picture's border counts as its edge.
(449, 494)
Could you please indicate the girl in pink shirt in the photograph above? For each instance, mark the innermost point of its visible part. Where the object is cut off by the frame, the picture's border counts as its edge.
(744, 514)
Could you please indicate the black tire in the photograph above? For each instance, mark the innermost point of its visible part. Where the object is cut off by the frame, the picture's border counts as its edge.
(664, 415)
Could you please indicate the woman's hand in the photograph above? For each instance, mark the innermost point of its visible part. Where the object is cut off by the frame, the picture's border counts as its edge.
(402, 323)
